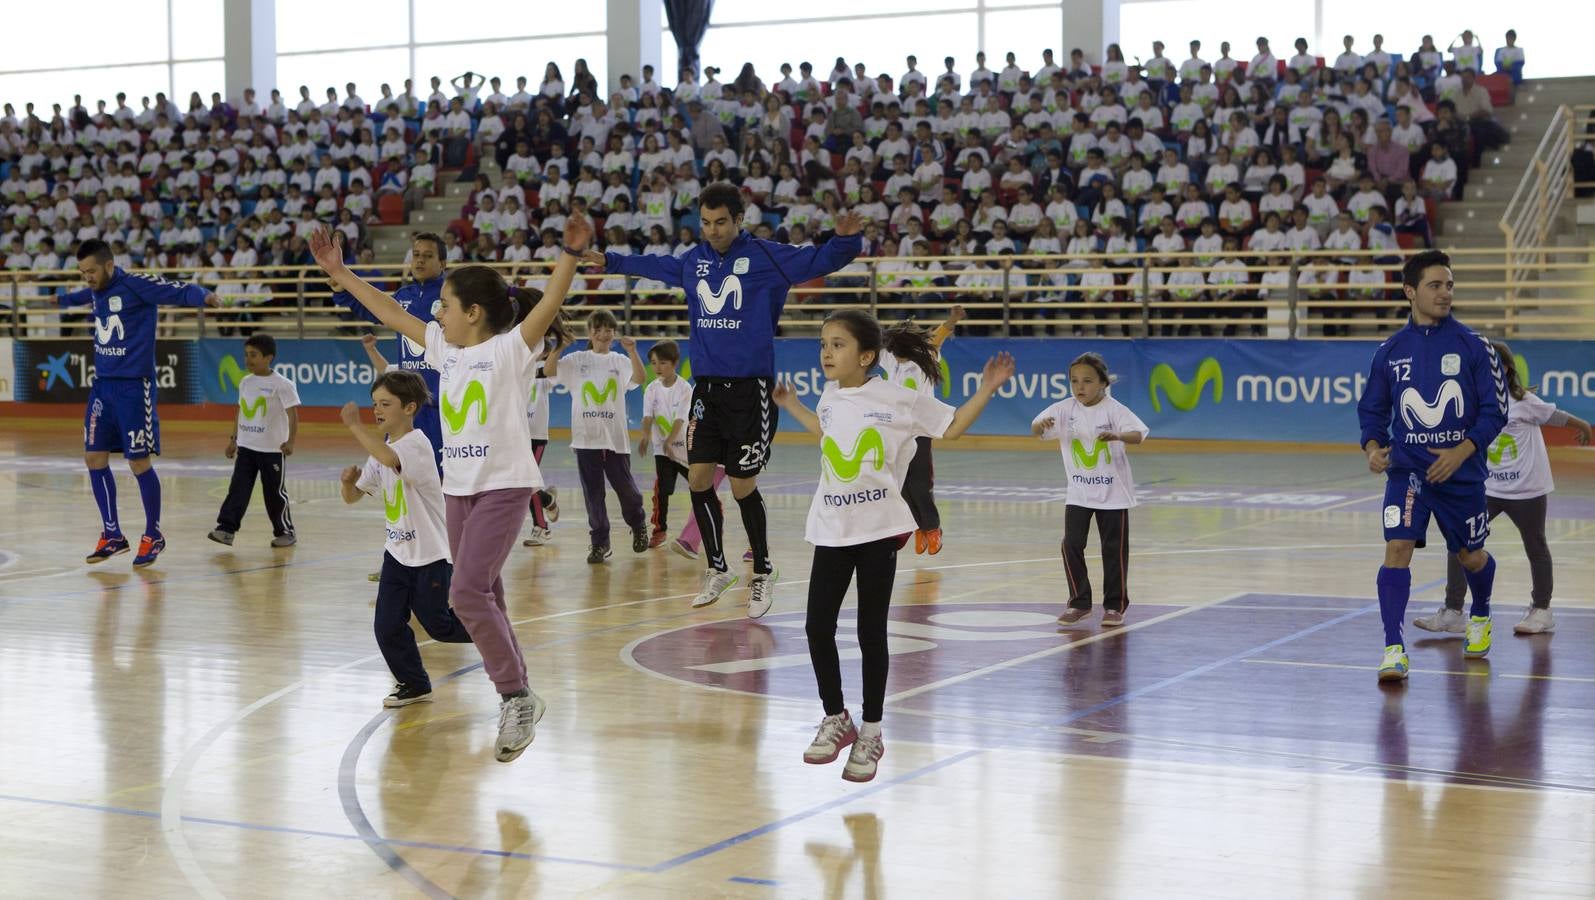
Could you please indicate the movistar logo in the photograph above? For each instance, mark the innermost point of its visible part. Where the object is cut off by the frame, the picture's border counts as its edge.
(1088, 459)
(1503, 449)
(396, 507)
(455, 416)
(912, 383)
(108, 328)
(229, 373)
(592, 396)
(1415, 410)
(665, 424)
(1184, 396)
(251, 410)
(714, 301)
(846, 467)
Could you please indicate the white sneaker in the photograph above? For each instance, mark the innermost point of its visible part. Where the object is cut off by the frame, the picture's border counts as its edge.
(1444, 621)
(551, 509)
(1535, 621)
(761, 594)
(517, 721)
(715, 583)
(861, 763)
(835, 733)
(540, 536)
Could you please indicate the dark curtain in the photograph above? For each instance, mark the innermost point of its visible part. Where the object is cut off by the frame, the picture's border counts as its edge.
(688, 19)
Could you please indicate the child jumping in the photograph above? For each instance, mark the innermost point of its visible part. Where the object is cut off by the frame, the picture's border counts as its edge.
(262, 440)
(598, 379)
(416, 571)
(858, 520)
(485, 342)
(919, 488)
(545, 501)
(1092, 429)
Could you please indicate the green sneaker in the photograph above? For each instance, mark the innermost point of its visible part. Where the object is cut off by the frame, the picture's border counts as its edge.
(1395, 665)
(1478, 637)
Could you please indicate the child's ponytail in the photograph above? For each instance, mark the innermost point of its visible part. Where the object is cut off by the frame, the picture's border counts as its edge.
(906, 340)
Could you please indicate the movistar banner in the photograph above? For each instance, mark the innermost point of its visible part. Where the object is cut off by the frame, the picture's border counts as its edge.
(1246, 390)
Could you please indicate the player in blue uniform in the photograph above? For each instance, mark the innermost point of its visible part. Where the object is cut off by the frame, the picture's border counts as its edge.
(420, 298)
(121, 413)
(736, 286)
(1439, 387)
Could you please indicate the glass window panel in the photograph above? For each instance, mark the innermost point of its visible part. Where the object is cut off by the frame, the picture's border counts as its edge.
(125, 32)
(880, 43)
(729, 11)
(196, 29)
(319, 71)
(447, 20)
(509, 59)
(206, 77)
(319, 25)
(1024, 31)
(45, 88)
(1556, 51)
(997, 4)
(669, 60)
(1177, 22)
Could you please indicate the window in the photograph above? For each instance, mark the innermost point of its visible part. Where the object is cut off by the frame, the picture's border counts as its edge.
(197, 30)
(318, 25)
(1241, 22)
(205, 77)
(1024, 31)
(128, 31)
(880, 43)
(509, 59)
(319, 71)
(446, 20)
(45, 88)
(728, 12)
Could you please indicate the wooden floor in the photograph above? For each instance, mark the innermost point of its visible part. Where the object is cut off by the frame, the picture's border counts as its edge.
(213, 726)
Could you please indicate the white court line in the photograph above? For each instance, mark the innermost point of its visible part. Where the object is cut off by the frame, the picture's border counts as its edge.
(1481, 673)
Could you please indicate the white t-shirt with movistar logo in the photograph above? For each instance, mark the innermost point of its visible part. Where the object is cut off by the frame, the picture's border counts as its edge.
(908, 374)
(1099, 471)
(1520, 469)
(482, 393)
(412, 500)
(598, 383)
(263, 404)
(662, 407)
(537, 408)
(867, 444)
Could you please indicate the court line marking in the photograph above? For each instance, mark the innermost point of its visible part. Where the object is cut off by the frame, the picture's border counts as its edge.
(1482, 672)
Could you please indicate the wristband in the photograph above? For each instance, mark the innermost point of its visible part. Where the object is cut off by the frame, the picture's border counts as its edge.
(566, 248)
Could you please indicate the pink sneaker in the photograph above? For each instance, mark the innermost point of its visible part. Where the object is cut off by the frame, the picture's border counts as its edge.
(682, 548)
(835, 733)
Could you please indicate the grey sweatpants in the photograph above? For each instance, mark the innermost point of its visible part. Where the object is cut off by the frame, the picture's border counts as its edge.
(1529, 517)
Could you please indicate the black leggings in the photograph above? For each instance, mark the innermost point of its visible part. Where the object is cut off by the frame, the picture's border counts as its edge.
(1113, 526)
(1529, 517)
(919, 487)
(876, 563)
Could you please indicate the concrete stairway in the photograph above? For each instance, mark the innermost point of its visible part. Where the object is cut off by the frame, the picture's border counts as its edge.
(392, 242)
(1474, 221)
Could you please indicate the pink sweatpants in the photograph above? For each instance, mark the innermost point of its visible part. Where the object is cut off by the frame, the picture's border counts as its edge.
(483, 528)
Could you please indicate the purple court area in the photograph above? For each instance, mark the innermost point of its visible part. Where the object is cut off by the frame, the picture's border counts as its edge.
(1272, 681)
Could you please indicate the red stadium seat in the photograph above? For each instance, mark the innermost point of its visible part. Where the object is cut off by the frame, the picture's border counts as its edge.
(1500, 87)
(1406, 240)
(390, 209)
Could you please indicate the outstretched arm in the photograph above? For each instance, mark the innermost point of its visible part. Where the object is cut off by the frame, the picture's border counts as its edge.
(786, 398)
(327, 248)
(578, 233)
(800, 264)
(659, 268)
(998, 370)
(82, 297)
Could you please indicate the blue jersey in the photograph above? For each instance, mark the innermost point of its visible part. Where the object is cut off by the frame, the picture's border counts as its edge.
(419, 299)
(124, 320)
(735, 300)
(1435, 385)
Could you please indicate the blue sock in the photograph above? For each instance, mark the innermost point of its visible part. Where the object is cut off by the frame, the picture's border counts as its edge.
(1479, 585)
(103, 485)
(149, 487)
(1395, 588)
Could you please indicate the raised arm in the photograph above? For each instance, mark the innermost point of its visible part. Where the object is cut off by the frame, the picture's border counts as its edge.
(639, 372)
(659, 268)
(800, 264)
(998, 370)
(376, 446)
(378, 361)
(786, 398)
(578, 234)
(327, 248)
(945, 329)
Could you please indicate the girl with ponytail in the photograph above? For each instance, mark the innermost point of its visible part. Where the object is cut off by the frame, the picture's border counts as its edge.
(912, 358)
(485, 342)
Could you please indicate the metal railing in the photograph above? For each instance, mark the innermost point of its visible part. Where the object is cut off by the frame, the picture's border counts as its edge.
(1318, 294)
(1530, 215)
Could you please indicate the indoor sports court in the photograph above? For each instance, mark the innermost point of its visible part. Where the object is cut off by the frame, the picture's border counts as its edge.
(212, 726)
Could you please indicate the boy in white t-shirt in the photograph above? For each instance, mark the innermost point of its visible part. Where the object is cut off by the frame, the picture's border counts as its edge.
(665, 404)
(598, 379)
(263, 437)
(1092, 429)
(545, 501)
(417, 569)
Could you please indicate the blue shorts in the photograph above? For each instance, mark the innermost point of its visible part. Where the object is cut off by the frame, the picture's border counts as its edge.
(121, 415)
(431, 425)
(1458, 508)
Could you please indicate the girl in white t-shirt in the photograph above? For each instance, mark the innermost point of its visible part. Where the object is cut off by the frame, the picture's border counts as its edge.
(485, 340)
(665, 404)
(598, 379)
(1519, 485)
(545, 501)
(1092, 429)
(416, 567)
(858, 520)
(919, 481)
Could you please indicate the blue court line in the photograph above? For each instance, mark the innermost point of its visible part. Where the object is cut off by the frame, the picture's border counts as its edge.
(811, 812)
(1233, 657)
(743, 879)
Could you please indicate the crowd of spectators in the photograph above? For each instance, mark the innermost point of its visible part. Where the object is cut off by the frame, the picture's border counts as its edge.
(1238, 161)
